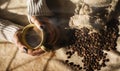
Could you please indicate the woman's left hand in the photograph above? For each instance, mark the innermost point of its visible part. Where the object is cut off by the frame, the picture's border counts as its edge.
(23, 48)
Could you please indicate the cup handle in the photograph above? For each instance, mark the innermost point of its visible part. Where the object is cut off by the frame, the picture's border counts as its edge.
(46, 47)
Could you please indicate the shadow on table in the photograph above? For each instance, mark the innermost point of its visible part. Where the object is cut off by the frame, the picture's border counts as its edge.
(14, 17)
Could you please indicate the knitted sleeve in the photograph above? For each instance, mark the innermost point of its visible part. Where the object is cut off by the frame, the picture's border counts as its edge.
(38, 8)
(7, 30)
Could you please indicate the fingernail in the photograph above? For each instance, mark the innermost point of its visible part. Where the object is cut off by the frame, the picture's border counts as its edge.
(25, 49)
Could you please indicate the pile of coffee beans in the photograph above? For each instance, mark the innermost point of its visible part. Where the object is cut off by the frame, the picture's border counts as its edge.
(91, 46)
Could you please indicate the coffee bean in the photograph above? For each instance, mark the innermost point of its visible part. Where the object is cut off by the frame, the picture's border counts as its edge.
(80, 68)
(71, 63)
(66, 61)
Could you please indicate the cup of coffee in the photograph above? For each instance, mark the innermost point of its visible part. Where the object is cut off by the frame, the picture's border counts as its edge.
(32, 37)
(35, 38)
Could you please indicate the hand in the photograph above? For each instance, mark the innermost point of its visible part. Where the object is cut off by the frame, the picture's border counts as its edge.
(46, 25)
(23, 48)
(35, 20)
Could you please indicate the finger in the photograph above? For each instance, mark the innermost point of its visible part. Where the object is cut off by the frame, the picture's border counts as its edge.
(36, 21)
(30, 51)
(18, 43)
(25, 50)
(22, 47)
(37, 52)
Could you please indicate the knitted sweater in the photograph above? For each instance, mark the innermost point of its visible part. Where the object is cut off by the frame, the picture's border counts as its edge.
(38, 8)
(35, 8)
(7, 30)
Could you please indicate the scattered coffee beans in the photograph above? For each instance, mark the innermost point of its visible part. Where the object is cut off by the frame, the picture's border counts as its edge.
(90, 46)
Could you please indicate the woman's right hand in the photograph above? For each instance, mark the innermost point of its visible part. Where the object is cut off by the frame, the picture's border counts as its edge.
(44, 23)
